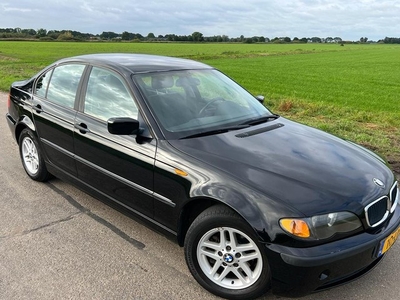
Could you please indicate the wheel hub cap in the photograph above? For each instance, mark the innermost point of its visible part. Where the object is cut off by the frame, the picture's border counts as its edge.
(228, 258)
(30, 156)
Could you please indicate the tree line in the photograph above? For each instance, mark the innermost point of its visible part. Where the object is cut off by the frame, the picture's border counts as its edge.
(70, 35)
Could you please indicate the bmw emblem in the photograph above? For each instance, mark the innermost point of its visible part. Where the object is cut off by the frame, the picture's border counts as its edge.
(378, 182)
(228, 258)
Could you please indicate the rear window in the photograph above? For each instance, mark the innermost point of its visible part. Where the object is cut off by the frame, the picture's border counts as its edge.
(63, 84)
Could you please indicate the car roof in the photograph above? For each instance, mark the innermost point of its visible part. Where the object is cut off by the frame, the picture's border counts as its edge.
(139, 63)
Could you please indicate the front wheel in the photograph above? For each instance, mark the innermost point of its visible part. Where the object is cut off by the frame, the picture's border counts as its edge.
(31, 156)
(224, 255)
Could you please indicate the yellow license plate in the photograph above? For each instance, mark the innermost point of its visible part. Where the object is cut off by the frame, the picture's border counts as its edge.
(388, 242)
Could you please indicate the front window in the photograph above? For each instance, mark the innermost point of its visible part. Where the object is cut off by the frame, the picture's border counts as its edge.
(193, 101)
(107, 96)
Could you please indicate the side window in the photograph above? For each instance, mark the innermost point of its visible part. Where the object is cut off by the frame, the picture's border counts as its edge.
(42, 83)
(64, 84)
(108, 97)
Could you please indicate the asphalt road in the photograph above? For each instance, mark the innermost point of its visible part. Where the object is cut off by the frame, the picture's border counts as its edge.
(57, 242)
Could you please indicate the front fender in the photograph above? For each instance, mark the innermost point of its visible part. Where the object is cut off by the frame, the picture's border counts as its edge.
(259, 211)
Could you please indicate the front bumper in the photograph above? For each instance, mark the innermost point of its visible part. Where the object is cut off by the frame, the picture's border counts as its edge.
(300, 271)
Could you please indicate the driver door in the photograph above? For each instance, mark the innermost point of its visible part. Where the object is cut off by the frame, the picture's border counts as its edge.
(115, 165)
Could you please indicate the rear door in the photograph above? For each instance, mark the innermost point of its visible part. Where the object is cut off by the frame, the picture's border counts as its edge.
(54, 113)
(118, 166)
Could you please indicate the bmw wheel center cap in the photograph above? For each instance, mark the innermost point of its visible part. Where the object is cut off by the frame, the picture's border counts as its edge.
(228, 258)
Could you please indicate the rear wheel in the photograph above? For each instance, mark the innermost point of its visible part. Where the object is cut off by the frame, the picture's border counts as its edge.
(31, 156)
(224, 255)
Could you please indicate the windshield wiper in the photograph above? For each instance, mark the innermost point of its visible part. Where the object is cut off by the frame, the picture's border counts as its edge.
(216, 131)
(260, 120)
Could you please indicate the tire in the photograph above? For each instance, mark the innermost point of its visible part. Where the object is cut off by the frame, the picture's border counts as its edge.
(31, 156)
(224, 255)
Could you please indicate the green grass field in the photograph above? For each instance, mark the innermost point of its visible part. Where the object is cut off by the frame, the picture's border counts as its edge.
(351, 91)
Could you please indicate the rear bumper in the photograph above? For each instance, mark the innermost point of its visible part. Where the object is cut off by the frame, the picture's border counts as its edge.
(11, 123)
(300, 271)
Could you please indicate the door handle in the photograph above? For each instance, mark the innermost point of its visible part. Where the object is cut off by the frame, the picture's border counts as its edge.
(82, 127)
(38, 108)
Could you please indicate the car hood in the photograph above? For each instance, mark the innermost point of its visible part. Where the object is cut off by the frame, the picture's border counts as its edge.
(312, 171)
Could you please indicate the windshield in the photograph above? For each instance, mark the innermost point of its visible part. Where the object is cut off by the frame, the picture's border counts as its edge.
(190, 102)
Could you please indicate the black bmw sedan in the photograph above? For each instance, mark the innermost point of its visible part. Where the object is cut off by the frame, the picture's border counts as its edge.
(257, 201)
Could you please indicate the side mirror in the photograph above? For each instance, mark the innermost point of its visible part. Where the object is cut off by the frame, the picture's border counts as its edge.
(122, 126)
(260, 98)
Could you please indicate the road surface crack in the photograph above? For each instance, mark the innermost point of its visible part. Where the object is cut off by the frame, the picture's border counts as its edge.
(40, 227)
(82, 209)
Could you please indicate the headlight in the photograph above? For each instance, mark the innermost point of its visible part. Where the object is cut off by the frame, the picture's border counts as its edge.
(322, 226)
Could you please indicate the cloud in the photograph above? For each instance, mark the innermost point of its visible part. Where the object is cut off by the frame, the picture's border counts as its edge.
(302, 18)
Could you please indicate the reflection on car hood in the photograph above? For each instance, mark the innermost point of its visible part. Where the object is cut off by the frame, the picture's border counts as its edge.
(311, 170)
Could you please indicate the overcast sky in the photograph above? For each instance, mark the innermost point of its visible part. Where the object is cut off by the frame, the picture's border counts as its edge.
(348, 19)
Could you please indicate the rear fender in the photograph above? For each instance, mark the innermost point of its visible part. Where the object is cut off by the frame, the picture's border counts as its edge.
(22, 123)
